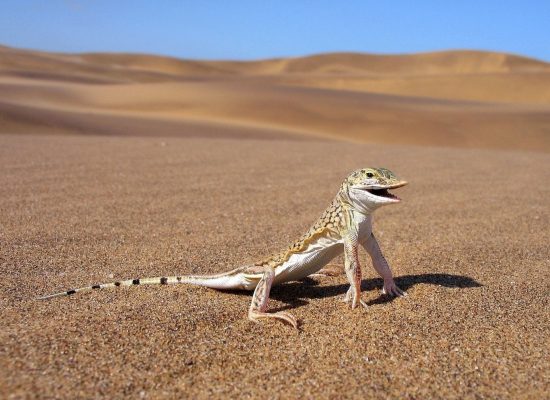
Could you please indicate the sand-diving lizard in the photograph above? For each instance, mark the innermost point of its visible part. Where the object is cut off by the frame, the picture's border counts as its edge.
(343, 226)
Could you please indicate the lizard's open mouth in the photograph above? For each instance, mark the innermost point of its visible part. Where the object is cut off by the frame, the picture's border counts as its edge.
(383, 193)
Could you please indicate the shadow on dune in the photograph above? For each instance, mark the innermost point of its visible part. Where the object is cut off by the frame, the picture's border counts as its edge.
(295, 294)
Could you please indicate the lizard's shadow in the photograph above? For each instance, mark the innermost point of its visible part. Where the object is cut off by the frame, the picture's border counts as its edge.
(295, 294)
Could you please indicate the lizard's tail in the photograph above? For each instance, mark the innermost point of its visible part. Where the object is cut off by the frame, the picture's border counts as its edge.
(221, 281)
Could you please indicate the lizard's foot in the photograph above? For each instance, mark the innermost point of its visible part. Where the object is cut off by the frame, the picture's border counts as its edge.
(329, 270)
(391, 289)
(354, 299)
(281, 315)
(259, 302)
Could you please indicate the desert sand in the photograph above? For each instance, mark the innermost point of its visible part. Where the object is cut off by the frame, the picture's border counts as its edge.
(464, 98)
(123, 166)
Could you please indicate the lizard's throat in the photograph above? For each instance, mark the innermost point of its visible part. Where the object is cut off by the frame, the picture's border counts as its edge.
(359, 201)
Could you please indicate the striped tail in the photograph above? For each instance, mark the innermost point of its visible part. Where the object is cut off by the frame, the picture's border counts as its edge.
(220, 281)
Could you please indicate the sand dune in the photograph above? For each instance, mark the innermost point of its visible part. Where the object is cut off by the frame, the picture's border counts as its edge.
(446, 62)
(461, 98)
(519, 87)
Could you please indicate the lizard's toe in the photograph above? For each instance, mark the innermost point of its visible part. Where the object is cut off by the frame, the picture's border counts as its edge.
(281, 316)
(358, 302)
(287, 317)
(393, 290)
(347, 296)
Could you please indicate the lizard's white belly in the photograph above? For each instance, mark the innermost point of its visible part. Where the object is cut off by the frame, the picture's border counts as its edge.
(320, 253)
(309, 261)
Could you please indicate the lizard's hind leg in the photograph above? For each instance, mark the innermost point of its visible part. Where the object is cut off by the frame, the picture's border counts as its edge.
(260, 299)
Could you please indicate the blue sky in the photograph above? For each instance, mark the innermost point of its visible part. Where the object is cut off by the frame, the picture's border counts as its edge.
(263, 28)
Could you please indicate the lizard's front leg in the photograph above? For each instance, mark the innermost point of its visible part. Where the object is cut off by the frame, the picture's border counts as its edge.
(382, 267)
(353, 271)
(260, 299)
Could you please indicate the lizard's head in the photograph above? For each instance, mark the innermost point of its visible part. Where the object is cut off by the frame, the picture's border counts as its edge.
(371, 185)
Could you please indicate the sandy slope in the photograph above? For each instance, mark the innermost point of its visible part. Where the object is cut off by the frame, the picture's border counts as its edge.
(518, 87)
(468, 99)
(470, 247)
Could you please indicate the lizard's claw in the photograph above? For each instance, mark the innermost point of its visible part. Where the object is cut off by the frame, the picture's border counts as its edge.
(354, 299)
(362, 302)
(287, 317)
(281, 315)
(391, 289)
(347, 296)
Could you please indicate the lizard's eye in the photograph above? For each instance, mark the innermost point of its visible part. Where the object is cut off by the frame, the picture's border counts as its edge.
(370, 174)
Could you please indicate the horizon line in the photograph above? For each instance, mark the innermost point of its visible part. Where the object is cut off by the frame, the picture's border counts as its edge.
(305, 55)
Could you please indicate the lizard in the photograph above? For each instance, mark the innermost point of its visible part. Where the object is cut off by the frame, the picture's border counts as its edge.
(345, 225)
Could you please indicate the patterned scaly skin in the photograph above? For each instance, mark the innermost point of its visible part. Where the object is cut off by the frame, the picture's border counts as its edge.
(332, 220)
(343, 226)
